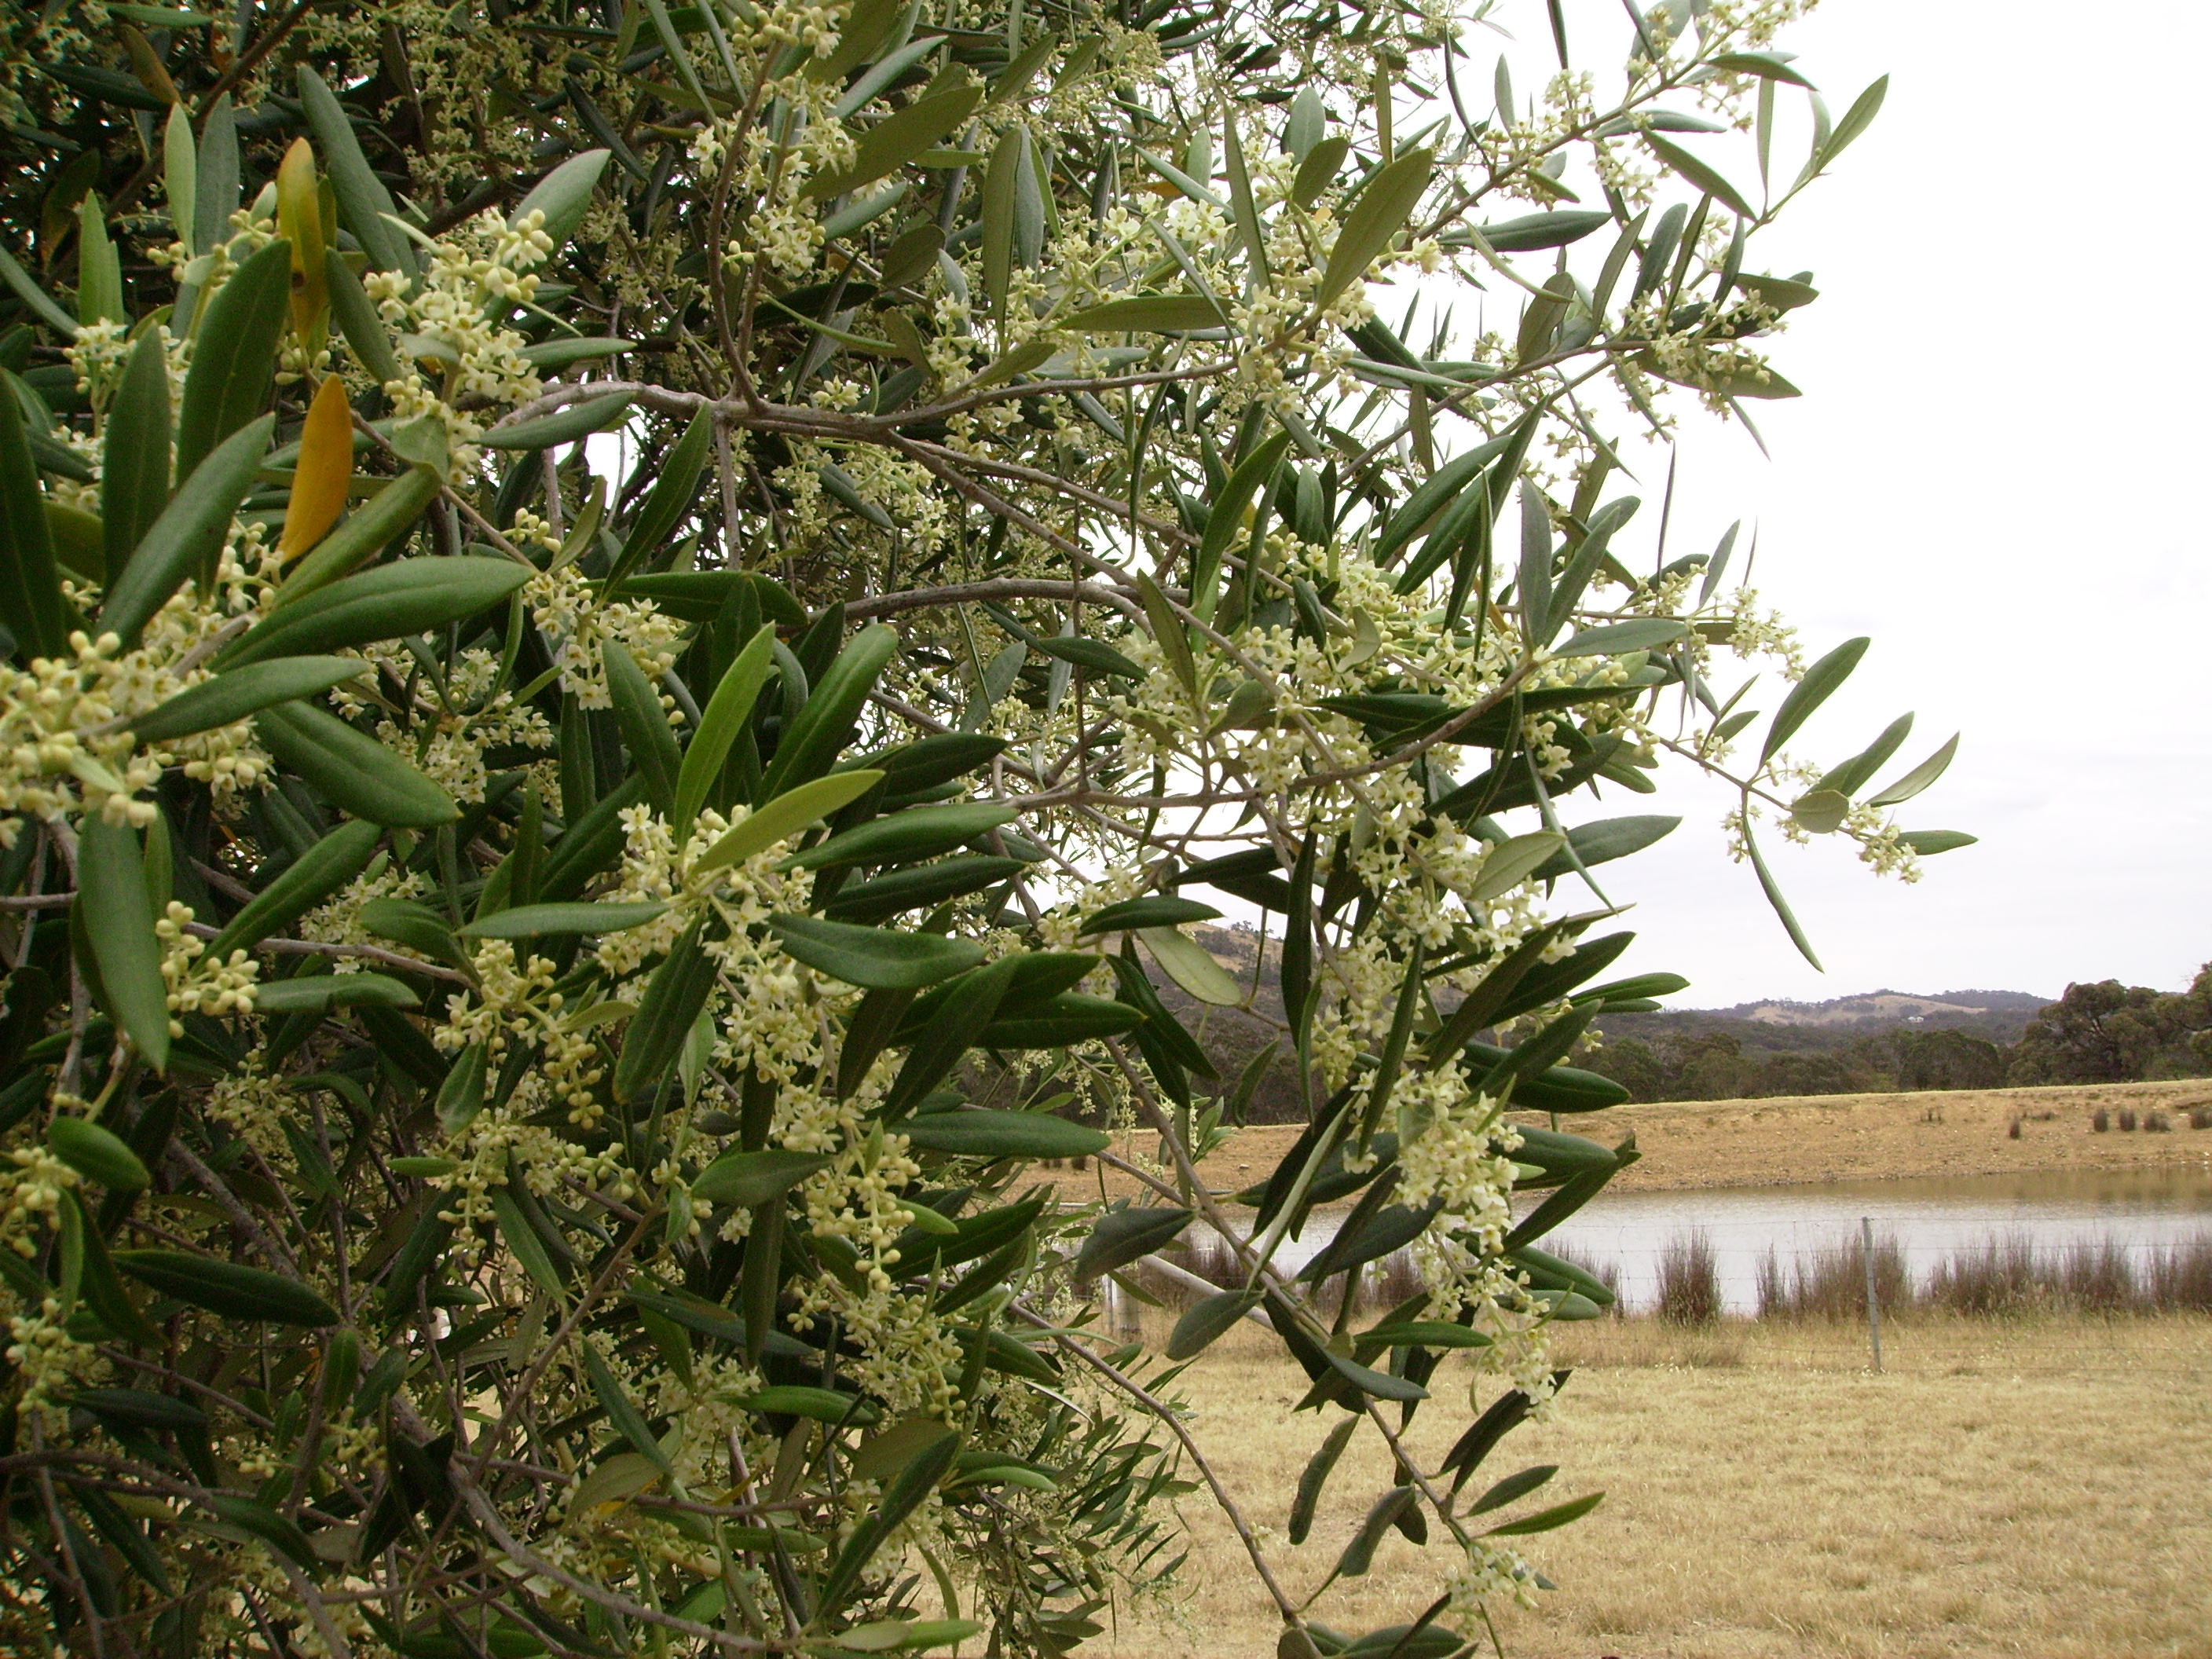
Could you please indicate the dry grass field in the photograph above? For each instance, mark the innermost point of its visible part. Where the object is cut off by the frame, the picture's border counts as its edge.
(2031, 1487)
(1739, 1143)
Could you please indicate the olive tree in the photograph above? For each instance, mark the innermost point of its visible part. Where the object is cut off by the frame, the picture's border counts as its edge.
(636, 633)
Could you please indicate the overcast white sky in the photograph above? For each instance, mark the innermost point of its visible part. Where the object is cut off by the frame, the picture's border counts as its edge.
(1995, 471)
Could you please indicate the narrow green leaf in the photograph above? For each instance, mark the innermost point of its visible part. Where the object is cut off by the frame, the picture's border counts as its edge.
(1359, 1555)
(880, 958)
(1009, 162)
(392, 601)
(915, 1482)
(724, 716)
(96, 1154)
(1918, 777)
(1928, 842)
(785, 817)
(537, 921)
(134, 478)
(628, 1421)
(363, 200)
(745, 1180)
(1168, 631)
(118, 921)
(1148, 313)
(228, 1288)
(234, 355)
(1545, 1520)
(1120, 1237)
(904, 837)
(320, 872)
(353, 772)
(1700, 173)
(40, 302)
(812, 741)
(372, 526)
(578, 419)
(523, 1243)
(244, 691)
(645, 731)
(564, 196)
(1513, 861)
(1818, 683)
(1377, 216)
(305, 993)
(31, 604)
(1205, 1319)
(1153, 910)
(899, 138)
(994, 1134)
(188, 537)
(99, 272)
(673, 997)
(1315, 1477)
(1618, 639)
(1769, 886)
(670, 498)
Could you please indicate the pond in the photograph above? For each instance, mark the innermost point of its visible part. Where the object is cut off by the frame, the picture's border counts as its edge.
(2139, 1212)
(2126, 1217)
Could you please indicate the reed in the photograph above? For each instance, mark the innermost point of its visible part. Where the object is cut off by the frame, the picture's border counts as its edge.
(1689, 1280)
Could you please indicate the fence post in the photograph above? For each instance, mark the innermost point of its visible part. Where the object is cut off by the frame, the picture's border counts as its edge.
(1874, 1306)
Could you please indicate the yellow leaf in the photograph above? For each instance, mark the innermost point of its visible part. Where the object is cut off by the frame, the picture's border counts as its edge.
(324, 472)
(300, 220)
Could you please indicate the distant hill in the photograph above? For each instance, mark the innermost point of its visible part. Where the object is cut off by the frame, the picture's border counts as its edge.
(1783, 1027)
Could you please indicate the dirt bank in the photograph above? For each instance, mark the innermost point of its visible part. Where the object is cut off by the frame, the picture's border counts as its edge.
(1814, 1138)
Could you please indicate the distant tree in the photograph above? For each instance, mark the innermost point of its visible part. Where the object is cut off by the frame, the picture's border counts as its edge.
(2108, 1032)
(1946, 1059)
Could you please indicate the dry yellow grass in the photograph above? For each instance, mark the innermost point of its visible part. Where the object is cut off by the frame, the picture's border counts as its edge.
(1738, 1143)
(2033, 1488)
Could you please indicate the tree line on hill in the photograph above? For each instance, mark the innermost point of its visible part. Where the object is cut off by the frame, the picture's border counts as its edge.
(2098, 1032)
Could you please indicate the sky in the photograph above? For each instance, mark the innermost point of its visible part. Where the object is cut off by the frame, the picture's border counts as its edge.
(1995, 472)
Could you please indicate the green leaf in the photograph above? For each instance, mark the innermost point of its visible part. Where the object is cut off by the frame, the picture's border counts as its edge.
(673, 997)
(118, 921)
(1241, 201)
(244, 691)
(1513, 1486)
(1701, 174)
(880, 958)
(233, 353)
(785, 817)
(1512, 861)
(1149, 313)
(1120, 1237)
(40, 302)
(564, 196)
(1315, 1477)
(524, 1243)
(134, 480)
(316, 874)
(812, 741)
(31, 604)
(743, 1180)
(566, 352)
(1772, 889)
(899, 138)
(578, 419)
(536, 921)
(1856, 121)
(1359, 1555)
(628, 1421)
(1818, 683)
(363, 200)
(304, 995)
(355, 773)
(1545, 1520)
(645, 731)
(991, 1134)
(1319, 168)
(1543, 230)
(1618, 639)
(384, 516)
(1763, 64)
(1010, 164)
(188, 537)
(905, 1494)
(1068, 1018)
(1603, 841)
(1187, 962)
(800, 1400)
(1424, 1333)
(1205, 1319)
(249, 1515)
(617, 1480)
(1821, 812)
(1153, 910)
(228, 1288)
(1918, 777)
(99, 273)
(1375, 217)
(407, 598)
(903, 837)
(724, 716)
(1928, 842)
(670, 498)
(1168, 632)
(97, 1154)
